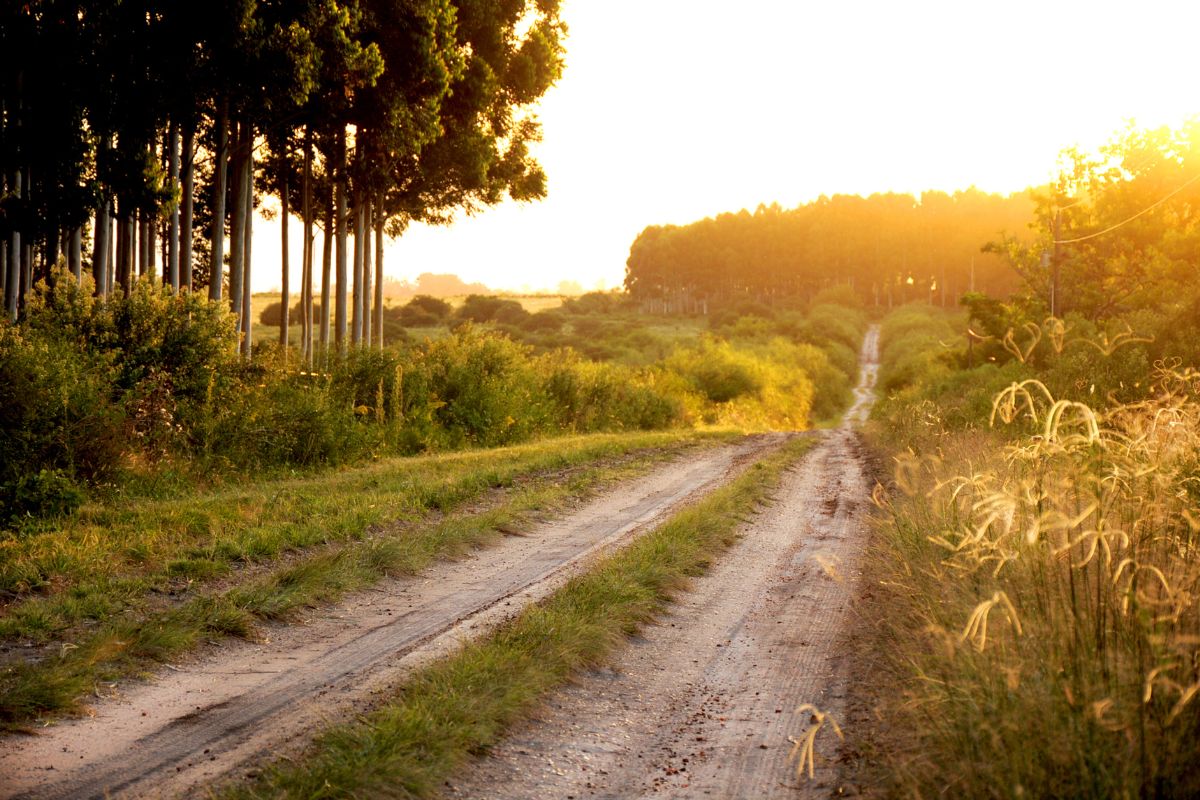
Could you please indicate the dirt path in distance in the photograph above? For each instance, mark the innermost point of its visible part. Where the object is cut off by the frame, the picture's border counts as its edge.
(224, 711)
(703, 703)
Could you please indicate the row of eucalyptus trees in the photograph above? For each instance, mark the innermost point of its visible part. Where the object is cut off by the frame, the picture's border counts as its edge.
(138, 137)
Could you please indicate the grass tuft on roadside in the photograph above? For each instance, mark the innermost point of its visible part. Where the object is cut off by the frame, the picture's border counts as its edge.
(461, 705)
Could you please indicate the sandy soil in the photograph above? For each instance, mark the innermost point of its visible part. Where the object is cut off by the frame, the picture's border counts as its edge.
(704, 702)
(239, 703)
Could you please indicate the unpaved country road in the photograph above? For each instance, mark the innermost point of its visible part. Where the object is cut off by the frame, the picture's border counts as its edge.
(243, 703)
(703, 703)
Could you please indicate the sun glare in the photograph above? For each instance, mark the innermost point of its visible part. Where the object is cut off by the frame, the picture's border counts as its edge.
(672, 111)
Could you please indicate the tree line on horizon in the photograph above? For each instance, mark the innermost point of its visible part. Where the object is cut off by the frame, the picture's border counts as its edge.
(890, 248)
(138, 137)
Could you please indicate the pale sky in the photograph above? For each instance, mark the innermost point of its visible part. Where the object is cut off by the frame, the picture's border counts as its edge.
(673, 110)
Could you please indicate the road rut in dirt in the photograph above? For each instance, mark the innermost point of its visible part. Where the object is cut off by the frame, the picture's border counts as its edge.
(243, 703)
(703, 703)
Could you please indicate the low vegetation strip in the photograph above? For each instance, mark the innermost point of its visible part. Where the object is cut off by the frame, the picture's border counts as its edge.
(461, 705)
(114, 555)
(130, 641)
(1038, 565)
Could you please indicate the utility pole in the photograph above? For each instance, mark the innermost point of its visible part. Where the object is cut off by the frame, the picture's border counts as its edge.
(1054, 267)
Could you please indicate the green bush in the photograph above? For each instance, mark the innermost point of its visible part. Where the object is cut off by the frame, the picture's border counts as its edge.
(422, 311)
(483, 308)
(716, 371)
(272, 314)
(45, 493)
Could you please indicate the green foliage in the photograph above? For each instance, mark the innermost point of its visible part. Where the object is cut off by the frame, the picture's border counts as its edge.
(45, 493)
(482, 308)
(422, 311)
(717, 371)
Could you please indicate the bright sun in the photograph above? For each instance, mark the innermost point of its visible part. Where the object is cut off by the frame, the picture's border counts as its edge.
(671, 111)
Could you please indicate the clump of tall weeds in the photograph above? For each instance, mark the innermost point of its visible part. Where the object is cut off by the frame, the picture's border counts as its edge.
(1049, 640)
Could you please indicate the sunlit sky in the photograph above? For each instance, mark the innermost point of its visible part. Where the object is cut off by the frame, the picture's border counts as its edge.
(673, 110)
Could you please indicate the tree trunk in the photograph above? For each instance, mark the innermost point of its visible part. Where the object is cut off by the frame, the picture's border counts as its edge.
(368, 260)
(247, 240)
(237, 225)
(124, 265)
(12, 286)
(379, 280)
(307, 258)
(75, 253)
(186, 203)
(342, 222)
(283, 255)
(216, 276)
(100, 250)
(173, 231)
(357, 329)
(326, 269)
(145, 247)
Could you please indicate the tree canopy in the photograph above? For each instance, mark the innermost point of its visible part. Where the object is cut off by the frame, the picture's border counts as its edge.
(136, 134)
(889, 247)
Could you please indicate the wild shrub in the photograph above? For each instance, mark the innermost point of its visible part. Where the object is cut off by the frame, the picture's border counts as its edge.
(272, 313)
(602, 303)
(589, 396)
(483, 308)
(422, 311)
(717, 371)
(838, 324)
(543, 322)
(484, 389)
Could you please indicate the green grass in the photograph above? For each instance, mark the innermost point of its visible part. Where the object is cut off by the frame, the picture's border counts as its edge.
(139, 634)
(463, 704)
(112, 555)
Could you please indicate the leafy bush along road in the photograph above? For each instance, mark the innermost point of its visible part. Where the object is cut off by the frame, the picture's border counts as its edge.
(257, 690)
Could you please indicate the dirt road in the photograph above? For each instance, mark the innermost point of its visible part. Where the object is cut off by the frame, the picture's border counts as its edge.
(242, 703)
(703, 704)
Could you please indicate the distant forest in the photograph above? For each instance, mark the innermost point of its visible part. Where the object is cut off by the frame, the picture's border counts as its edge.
(891, 248)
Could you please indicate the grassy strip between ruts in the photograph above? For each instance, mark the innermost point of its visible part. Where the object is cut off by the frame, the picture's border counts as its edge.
(126, 644)
(462, 704)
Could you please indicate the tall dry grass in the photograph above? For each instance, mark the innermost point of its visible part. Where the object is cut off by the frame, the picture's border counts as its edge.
(1047, 584)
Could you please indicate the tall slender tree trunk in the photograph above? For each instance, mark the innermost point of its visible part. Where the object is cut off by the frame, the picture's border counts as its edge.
(216, 277)
(187, 168)
(237, 225)
(284, 290)
(379, 280)
(326, 277)
(173, 229)
(342, 223)
(146, 243)
(307, 258)
(357, 329)
(12, 286)
(114, 230)
(124, 247)
(368, 259)
(100, 249)
(75, 252)
(51, 253)
(247, 262)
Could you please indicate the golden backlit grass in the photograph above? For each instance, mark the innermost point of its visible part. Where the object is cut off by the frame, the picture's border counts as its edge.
(1043, 590)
